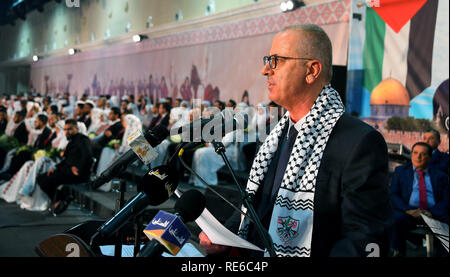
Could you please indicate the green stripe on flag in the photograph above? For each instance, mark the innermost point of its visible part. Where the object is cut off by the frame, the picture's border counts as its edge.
(373, 50)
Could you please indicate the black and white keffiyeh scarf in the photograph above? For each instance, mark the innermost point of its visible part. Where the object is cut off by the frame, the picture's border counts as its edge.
(291, 223)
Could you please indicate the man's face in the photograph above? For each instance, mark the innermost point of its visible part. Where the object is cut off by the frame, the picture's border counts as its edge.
(288, 78)
(38, 123)
(17, 118)
(162, 110)
(52, 120)
(112, 116)
(420, 157)
(70, 130)
(77, 111)
(430, 139)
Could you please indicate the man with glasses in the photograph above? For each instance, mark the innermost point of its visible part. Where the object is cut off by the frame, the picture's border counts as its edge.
(73, 169)
(319, 181)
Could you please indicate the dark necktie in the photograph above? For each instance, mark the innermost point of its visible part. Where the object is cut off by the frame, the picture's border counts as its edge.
(422, 191)
(284, 159)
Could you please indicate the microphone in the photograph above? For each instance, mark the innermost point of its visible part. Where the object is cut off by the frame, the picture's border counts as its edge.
(167, 231)
(212, 128)
(158, 185)
(141, 147)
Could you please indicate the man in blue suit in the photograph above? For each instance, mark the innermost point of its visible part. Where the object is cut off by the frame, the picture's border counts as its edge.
(416, 189)
(439, 160)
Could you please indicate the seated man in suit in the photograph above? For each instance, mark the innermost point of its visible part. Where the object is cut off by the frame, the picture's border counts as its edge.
(163, 117)
(74, 168)
(439, 160)
(416, 189)
(3, 119)
(41, 142)
(21, 132)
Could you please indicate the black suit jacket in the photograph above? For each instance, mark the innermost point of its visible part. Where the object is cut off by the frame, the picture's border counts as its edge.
(164, 121)
(21, 133)
(43, 140)
(78, 153)
(401, 189)
(352, 206)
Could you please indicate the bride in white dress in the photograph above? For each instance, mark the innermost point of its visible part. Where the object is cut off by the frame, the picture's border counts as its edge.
(132, 124)
(22, 186)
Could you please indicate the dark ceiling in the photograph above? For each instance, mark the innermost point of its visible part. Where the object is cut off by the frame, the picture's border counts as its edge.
(13, 10)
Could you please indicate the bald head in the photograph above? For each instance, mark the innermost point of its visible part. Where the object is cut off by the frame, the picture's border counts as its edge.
(314, 43)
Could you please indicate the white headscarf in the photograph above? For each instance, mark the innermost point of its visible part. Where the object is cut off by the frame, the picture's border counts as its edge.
(133, 124)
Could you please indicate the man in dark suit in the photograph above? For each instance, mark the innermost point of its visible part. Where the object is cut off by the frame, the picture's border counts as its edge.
(41, 142)
(21, 132)
(417, 188)
(3, 119)
(87, 109)
(74, 168)
(439, 160)
(163, 116)
(340, 208)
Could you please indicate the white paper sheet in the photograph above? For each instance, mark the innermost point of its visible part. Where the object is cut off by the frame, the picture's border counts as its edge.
(439, 228)
(217, 233)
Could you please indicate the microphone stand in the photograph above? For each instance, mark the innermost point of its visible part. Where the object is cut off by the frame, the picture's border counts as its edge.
(267, 240)
(120, 202)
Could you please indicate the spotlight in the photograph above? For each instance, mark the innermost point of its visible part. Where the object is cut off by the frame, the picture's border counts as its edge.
(288, 6)
(73, 51)
(35, 58)
(139, 38)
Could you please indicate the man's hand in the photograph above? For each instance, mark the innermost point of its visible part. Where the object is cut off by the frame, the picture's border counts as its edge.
(414, 213)
(50, 171)
(208, 246)
(427, 213)
(108, 133)
(74, 170)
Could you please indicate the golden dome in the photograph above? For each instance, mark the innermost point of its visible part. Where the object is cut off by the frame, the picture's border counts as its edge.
(389, 92)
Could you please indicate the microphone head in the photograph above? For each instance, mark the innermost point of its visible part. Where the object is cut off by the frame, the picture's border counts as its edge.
(190, 205)
(156, 135)
(159, 184)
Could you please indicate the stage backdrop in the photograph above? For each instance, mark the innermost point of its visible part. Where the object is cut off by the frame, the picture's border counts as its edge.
(219, 62)
(398, 67)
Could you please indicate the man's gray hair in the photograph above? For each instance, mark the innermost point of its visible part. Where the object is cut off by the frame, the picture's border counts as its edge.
(316, 45)
(435, 133)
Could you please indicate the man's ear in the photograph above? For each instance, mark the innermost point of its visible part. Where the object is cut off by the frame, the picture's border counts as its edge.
(313, 72)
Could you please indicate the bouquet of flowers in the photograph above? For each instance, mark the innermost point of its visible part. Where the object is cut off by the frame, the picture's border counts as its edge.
(175, 139)
(113, 142)
(52, 153)
(23, 148)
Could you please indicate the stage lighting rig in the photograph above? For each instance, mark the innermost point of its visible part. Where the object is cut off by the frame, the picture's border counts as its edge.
(139, 38)
(291, 5)
(73, 51)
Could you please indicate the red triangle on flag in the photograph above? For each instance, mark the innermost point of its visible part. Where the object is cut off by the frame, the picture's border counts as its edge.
(396, 13)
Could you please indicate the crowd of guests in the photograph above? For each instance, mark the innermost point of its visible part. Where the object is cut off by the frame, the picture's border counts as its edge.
(48, 142)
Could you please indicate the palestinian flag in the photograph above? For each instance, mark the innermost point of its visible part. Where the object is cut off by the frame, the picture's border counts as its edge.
(406, 40)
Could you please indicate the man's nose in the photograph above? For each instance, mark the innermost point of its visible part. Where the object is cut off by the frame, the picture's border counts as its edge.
(265, 70)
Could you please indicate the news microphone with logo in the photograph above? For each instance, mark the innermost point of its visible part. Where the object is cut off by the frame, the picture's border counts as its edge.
(167, 232)
(212, 128)
(141, 147)
(157, 186)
